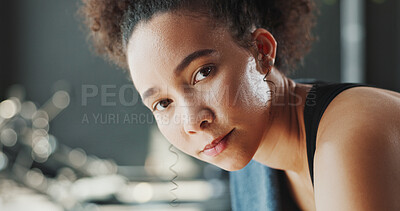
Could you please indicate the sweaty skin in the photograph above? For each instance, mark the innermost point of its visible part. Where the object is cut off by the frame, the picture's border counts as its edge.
(222, 90)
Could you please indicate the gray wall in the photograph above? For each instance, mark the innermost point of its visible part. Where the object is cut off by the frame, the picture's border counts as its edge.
(383, 43)
(7, 49)
(323, 62)
(52, 47)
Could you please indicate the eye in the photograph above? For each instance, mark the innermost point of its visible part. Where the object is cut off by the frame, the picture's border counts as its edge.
(161, 105)
(202, 73)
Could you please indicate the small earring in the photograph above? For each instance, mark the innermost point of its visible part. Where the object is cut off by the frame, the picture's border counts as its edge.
(269, 65)
(265, 77)
(266, 62)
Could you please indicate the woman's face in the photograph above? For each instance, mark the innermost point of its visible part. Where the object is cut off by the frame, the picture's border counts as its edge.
(200, 85)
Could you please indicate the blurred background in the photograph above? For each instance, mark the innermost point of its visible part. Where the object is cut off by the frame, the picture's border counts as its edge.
(75, 136)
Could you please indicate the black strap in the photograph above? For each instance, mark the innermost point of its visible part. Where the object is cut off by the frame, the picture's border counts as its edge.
(318, 99)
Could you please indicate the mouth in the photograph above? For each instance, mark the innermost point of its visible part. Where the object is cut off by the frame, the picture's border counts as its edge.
(217, 145)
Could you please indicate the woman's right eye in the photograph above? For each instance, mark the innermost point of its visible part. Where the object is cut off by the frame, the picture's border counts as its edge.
(203, 73)
(161, 105)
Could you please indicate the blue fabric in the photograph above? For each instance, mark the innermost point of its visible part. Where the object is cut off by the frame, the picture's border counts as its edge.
(246, 193)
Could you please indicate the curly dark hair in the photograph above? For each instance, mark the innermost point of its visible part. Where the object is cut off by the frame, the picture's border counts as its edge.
(111, 22)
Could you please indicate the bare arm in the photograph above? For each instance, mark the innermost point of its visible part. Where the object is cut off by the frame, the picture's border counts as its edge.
(357, 162)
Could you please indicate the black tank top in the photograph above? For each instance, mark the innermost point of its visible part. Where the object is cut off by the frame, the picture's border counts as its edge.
(318, 99)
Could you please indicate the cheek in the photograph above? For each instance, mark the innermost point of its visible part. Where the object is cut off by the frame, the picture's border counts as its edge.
(245, 88)
(174, 136)
(258, 89)
(253, 91)
(169, 132)
(162, 120)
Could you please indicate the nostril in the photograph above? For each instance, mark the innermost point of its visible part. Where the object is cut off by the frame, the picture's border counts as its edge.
(203, 124)
(198, 122)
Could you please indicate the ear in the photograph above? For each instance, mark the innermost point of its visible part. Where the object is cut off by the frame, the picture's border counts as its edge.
(265, 43)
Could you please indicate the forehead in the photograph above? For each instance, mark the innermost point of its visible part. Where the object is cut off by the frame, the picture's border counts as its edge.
(156, 47)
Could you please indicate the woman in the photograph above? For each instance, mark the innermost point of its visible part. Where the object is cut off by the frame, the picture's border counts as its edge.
(213, 73)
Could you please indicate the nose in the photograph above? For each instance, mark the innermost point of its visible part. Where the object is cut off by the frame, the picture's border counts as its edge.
(198, 121)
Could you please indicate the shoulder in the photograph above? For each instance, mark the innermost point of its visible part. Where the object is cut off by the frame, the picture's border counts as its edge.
(367, 109)
(361, 108)
(358, 151)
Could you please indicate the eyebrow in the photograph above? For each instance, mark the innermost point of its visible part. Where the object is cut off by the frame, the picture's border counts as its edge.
(181, 66)
(190, 58)
(149, 93)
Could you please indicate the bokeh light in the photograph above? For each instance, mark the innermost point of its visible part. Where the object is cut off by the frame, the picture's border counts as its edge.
(8, 137)
(77, 157)
(61, 99)
(143, 192)
(8, 108)
(28, 108)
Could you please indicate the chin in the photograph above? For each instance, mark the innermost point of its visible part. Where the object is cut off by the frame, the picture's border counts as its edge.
(234, 165)
(236, 168)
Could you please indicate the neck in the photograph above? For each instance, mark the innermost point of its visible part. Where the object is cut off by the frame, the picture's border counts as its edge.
(283, 145)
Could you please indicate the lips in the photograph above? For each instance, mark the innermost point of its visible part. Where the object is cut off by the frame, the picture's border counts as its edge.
(217, 145)
(214, 143)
